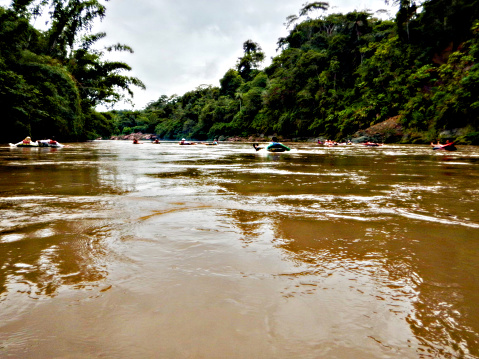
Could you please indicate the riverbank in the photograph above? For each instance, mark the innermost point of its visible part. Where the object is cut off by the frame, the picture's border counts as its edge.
(389, 131)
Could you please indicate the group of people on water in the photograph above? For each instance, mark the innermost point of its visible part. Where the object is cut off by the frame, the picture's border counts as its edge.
(274, 144)
(333, 143)
(136, 142)
(184, 142)
(27, 141)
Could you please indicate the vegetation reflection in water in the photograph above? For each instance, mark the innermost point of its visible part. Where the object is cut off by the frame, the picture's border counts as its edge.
(52, 224)
(391, 230)
(380, 227)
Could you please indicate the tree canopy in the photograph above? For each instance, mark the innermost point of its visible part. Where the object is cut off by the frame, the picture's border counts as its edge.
(334, 76)
(52, 80)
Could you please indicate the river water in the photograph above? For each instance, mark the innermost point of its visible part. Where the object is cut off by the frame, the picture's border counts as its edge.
(115, 250)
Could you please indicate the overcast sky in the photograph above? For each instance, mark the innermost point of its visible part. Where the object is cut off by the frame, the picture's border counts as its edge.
(182, 44)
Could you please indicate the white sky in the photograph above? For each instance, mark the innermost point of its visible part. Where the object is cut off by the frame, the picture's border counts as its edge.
(182, 44)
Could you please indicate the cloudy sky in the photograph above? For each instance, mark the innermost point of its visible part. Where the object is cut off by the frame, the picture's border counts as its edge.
(182, 44)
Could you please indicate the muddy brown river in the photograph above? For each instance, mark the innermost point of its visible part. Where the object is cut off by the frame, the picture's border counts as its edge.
(115, 250)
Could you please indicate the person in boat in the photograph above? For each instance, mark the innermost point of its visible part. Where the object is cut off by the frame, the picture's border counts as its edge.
(214, 143)
(26, 142)
(439, 143)
(330, 143)
(135, 141)
(183, 142)
(449, 146)
(276, 146)
(156, 141)
(371, 144)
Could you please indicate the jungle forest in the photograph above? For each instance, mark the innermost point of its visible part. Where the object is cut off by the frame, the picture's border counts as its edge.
(333, 76)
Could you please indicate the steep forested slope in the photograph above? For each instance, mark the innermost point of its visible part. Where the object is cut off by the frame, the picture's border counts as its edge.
(337, 74)
(333, 76)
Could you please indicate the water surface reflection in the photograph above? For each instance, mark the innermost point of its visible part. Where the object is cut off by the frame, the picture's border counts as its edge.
(221, 251)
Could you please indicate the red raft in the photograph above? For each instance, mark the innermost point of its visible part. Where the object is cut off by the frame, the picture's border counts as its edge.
(447, 147)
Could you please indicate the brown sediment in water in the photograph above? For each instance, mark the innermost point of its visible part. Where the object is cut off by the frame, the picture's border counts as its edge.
(337, 252)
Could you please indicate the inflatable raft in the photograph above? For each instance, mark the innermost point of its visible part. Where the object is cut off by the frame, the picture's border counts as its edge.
(448, 147)
(277, 147)
(40, 143)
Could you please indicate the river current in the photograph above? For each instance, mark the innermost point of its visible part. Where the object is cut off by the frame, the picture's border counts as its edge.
(115, 250)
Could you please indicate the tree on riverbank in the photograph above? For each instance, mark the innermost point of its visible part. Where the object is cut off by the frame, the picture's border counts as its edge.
(339, 74)
(334, 76)
(51, 81)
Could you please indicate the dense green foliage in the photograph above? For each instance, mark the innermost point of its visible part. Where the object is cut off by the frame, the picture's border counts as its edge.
(51, 81)
(338, 74)
(333, 76)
